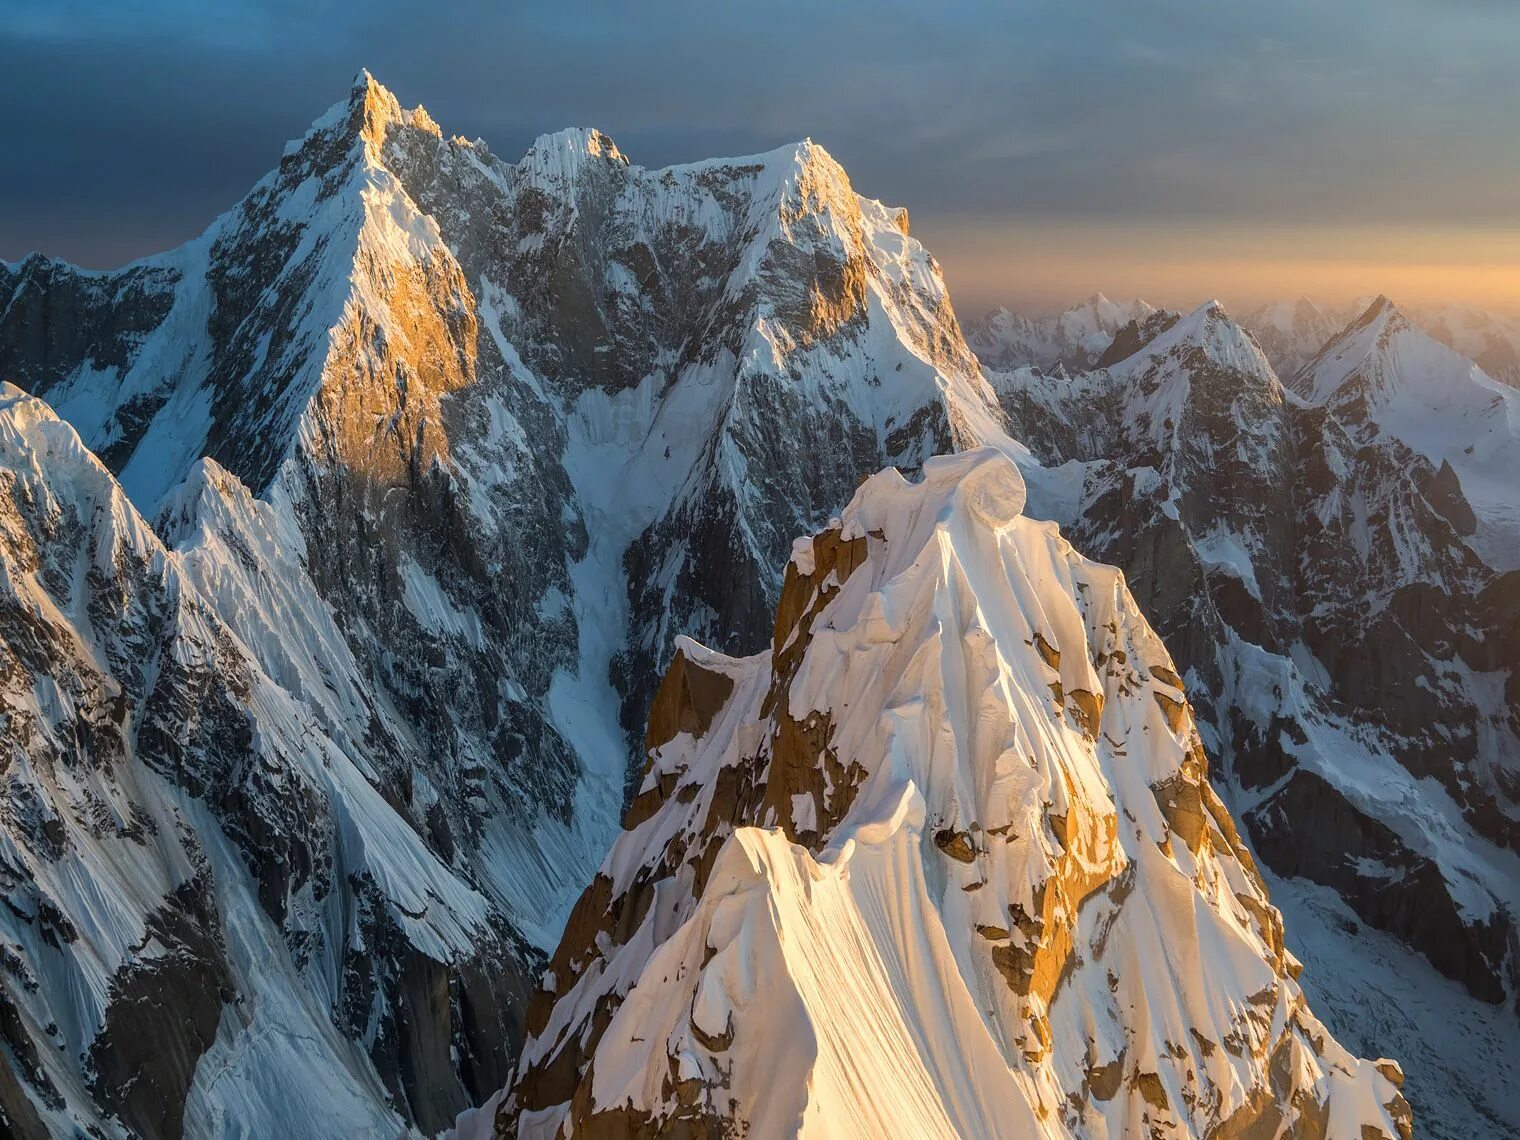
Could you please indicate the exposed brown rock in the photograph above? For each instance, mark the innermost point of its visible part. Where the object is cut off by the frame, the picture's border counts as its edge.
(956, 844)
(1181, 802)
(1152, 1090)
(1166, 676)
(1087, 711)
(803, 595)
(1174, 711)
(162, 1015)
(1103, 1081)
(687, 701)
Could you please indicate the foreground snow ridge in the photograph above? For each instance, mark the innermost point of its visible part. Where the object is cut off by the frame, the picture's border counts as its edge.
(943, 862)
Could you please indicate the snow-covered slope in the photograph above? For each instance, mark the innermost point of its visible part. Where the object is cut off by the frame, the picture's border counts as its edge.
(1489, 339)
(169, 809)
(1072, 340)
(944, 861)
(1343, 617)
(445, 450)
(1292, 333)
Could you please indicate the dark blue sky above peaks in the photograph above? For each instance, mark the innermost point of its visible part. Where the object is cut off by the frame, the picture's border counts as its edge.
(1175, 150)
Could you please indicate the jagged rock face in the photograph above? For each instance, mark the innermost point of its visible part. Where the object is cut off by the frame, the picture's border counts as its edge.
(1190, 484)
(816, 325)
(87, 591)
(944, 861)
(439, 453)
(179, 827)
(1327, 564)
(1072, 341)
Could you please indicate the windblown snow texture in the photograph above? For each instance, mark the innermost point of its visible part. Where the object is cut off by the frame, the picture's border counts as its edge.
(943, 862)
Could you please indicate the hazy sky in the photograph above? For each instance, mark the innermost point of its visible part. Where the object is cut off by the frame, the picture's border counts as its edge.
(1174, 150)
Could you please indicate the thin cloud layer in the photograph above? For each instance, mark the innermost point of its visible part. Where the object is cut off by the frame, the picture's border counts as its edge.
(129, 125)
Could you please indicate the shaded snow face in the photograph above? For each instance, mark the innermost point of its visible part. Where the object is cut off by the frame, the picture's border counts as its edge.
(1291, 333)
(944, 861)
(441, 451)
(1490, 340)
(1328, 562)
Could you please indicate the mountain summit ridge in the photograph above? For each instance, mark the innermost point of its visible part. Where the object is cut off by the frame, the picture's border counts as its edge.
(447, 448)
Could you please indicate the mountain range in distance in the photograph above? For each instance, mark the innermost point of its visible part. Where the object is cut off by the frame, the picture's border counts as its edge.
(1289, 332)
(557, 648)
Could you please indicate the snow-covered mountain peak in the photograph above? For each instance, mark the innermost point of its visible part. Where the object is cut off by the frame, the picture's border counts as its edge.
(47, 453)
(1285, 315)
(1291, 332)
(944, 862)
(184, 510)
(1385, 377)
(556, 158)
(1209, 334)
(1356, 364)
(1073, 339)
(366, 115)
(11, 396)
(373, 110)
(982, 484)
(447, 449)
(1098, 315)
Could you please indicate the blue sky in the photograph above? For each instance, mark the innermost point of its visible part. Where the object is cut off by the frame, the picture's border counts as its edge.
(1040, 147)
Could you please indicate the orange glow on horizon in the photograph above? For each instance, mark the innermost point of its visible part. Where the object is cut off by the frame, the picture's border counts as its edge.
(1048, 266)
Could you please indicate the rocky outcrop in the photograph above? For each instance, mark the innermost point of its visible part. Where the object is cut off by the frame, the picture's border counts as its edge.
(162, 1014)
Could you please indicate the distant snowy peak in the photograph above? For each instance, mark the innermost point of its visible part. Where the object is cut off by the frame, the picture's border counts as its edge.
(1384, 357)
(1384, 376)
(1490, 339)
(1291, 332)
(1098, 315)
(1072, 340)
(1208, 331)
(943, 862)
